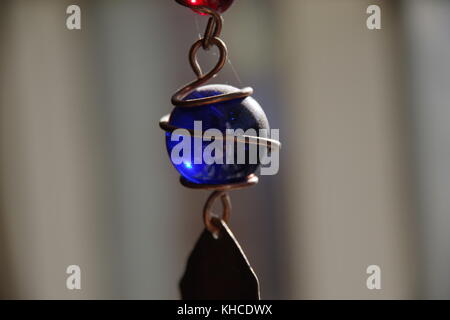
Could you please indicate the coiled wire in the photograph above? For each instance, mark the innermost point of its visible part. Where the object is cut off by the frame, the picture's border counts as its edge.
(212, 38)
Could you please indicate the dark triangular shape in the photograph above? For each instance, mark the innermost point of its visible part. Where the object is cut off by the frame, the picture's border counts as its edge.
(219, 270)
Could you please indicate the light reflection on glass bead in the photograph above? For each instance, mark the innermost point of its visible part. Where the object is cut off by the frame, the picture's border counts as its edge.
(217, 5)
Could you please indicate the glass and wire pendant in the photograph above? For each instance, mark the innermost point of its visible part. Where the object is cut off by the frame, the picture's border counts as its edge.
(222, 116)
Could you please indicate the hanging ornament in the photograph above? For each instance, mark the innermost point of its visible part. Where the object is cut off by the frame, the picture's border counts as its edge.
(203, 117)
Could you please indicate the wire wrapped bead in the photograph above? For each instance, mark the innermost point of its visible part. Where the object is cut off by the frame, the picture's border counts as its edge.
(236, 114)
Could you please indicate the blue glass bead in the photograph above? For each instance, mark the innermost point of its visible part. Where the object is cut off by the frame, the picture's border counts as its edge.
(235, 114)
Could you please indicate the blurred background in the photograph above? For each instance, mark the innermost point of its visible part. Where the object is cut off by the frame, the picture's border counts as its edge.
(363, 117)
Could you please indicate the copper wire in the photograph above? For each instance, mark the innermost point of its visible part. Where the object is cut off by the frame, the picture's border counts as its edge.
(210, 39)
(212, 222)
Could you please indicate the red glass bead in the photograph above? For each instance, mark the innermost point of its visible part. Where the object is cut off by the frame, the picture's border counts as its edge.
(217, 5)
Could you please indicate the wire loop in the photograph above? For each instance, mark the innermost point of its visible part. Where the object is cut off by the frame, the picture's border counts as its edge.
(210, 39)
(223, 54)
(210, 219)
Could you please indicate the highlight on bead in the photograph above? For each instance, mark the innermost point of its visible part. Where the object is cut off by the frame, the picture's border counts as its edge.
(216, 158)
(217, 5)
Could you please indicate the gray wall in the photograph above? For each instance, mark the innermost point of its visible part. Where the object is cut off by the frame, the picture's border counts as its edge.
(85, 178)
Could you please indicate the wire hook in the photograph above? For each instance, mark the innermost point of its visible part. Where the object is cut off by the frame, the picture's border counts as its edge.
(212, 222)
